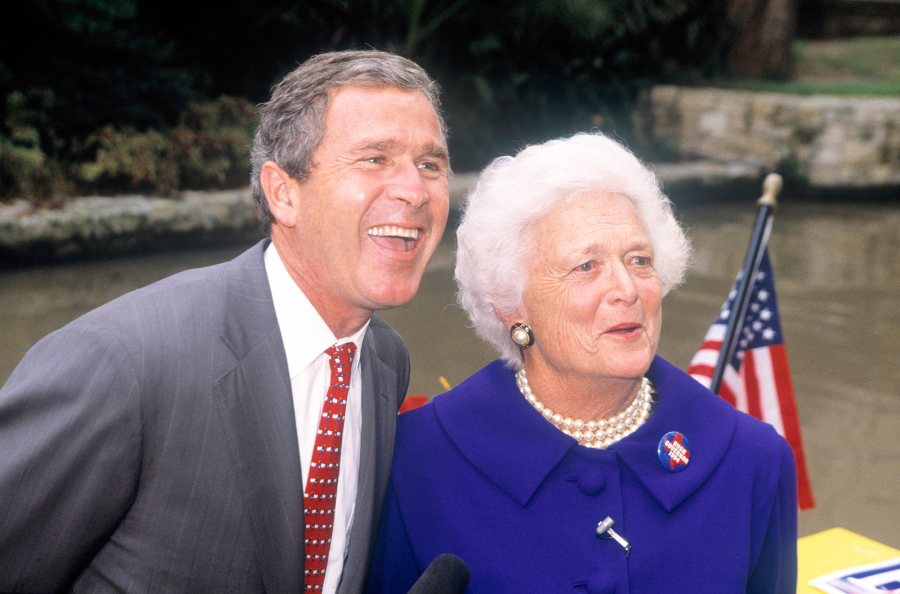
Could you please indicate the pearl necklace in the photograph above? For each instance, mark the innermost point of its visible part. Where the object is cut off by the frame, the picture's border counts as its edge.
(599, 433)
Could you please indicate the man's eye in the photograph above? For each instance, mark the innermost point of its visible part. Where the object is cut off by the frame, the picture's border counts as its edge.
(586, 267)
(377, 160)
(429, 166)
(642, 260)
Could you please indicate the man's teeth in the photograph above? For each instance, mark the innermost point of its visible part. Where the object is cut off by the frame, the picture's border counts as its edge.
(393, 231)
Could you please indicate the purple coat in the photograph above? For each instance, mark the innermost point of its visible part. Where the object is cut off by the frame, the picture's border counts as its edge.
(480, 474)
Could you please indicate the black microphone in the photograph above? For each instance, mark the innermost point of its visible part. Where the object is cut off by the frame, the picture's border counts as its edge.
(446, 574)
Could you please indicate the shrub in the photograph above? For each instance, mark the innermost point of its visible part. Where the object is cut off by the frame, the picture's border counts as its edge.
(121, 74)
(25, 172)
(25, 169)
(208, 149)
(211, 144)
(130, 160)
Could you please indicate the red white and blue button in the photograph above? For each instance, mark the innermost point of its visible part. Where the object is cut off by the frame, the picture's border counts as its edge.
(674, 451)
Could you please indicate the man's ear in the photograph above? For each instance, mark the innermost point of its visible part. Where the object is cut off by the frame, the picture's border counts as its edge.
(281, 192)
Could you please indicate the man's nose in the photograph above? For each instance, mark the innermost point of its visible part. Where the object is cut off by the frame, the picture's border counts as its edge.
(407, 184)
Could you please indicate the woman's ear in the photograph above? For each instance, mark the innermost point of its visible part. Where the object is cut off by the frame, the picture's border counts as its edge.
(519, 330)
(281, 192)
(508, 319)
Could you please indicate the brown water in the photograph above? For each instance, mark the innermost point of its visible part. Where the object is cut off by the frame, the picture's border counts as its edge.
(837, 268)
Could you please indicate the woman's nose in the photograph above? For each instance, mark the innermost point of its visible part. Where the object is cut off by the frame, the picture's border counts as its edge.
(621, 284)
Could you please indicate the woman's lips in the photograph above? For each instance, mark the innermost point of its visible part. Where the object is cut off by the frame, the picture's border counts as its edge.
(625, 330)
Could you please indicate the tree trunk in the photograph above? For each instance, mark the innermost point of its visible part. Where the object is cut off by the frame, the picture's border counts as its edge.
(763, 33)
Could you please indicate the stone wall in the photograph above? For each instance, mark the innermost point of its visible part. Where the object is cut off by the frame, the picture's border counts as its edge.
(96, 225)
(108, 225)
(828, 142)
(102, 226)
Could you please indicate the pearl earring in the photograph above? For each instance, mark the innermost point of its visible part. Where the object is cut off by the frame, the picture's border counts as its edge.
(522, 334)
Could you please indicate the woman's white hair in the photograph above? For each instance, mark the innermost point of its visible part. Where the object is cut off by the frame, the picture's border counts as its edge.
(513, 192)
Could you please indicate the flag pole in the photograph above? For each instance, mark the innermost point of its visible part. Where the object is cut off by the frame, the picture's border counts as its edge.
(761, 229)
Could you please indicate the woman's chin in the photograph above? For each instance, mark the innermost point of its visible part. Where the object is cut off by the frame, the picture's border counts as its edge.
(632, 366)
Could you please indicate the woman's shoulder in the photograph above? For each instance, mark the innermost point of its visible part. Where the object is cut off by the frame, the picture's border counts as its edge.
(460, 404)
(695, 401)
(464, 421)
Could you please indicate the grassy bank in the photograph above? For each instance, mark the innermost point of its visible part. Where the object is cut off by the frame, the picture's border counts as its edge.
(864, 66)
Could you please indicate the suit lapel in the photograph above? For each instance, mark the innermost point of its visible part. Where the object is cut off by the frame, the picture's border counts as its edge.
(379, 413)
(254, 398)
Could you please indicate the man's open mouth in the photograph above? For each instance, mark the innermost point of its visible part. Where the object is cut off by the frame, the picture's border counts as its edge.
(394, 237)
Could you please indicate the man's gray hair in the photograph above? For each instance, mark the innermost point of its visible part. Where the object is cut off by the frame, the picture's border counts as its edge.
(292, 122)
(513, 192)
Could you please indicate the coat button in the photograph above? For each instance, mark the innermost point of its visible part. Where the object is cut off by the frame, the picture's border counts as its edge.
(601, 584)
(592, 482)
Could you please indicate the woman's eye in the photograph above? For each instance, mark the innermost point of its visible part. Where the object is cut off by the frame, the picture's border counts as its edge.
(642, 260)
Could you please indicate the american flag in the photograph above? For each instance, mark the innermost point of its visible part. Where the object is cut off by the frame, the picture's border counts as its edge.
(757, 380)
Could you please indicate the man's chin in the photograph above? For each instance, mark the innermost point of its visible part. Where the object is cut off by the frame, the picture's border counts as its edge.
(394, 296)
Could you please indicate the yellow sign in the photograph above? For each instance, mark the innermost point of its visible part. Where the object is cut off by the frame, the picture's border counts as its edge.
(834, 549)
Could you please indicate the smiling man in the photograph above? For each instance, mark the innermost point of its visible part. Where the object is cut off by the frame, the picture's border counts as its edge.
(232, 428)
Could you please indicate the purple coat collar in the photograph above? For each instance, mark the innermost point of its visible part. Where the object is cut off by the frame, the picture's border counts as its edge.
(505, 438)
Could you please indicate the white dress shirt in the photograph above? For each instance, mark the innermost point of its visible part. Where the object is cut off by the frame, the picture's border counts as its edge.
(306, 336)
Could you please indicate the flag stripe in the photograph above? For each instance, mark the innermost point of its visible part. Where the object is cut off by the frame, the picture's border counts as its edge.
(707, 358)
(733, 389)
(716, 333)
(729, 396)
(751, 386)
(791, 419)
(769, 395)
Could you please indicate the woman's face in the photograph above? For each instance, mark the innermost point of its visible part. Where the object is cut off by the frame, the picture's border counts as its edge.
(592, 297)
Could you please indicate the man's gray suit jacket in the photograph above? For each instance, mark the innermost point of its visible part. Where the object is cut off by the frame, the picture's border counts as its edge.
(150, 445)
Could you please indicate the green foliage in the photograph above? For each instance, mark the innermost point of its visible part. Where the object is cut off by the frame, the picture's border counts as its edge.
(25, 169)
(208, 149)
(138, 161)
(212, 143)
(535, 70)
(113, 91)
(516, 72)
(102, 66)
(95, 17)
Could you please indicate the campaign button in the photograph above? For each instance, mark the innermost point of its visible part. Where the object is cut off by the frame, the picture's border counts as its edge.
(674, 451)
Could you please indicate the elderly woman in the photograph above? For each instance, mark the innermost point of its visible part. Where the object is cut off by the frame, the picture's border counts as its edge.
(582, 461)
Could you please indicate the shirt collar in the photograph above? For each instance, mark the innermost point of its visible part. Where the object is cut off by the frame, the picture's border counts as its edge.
(503, 436)
(303, 331)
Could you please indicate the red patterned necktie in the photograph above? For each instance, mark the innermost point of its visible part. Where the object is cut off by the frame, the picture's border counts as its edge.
(321, 485)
